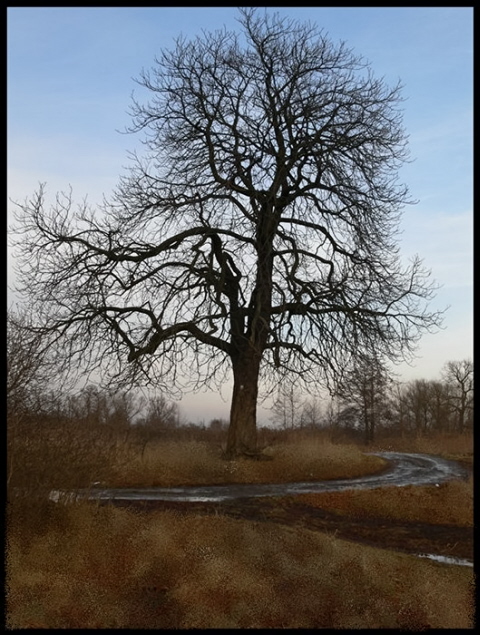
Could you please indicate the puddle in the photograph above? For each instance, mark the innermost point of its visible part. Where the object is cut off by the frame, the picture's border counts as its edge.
(462, 562)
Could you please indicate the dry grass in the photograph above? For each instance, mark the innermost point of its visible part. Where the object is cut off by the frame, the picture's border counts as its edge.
(450, 446)
(101, 567)
(173, 463)
(450, 503)
(87, 566)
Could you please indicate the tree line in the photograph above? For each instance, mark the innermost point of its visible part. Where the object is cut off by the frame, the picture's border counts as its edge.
(369, 401)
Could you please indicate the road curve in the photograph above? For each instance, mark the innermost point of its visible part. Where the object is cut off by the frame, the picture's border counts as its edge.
(404, 469)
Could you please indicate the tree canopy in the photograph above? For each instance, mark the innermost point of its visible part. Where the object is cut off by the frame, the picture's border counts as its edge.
(256, 235)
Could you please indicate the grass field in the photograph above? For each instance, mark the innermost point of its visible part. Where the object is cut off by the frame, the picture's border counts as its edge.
(88, 566)
(171, 463)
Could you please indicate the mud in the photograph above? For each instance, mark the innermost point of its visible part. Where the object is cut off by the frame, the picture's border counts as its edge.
(403, 469)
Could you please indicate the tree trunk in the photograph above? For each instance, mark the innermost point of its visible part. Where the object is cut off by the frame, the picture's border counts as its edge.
(461, 413)
(242, 431)
(249, 347)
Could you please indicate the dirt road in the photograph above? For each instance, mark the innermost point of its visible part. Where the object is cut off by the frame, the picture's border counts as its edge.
(403, 469)
(277, 503)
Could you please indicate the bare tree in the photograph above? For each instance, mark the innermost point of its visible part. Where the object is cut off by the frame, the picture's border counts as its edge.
(439, 405)
(312, 413)
(45, 447)
(89, 406)
(364, 392)
(459, 378)
(418, 392)
(31, 374)
(161, 414)
(124, 409)
(287, 406)
(257, 235)
(399, 403)
(30, 367)
(24, 374)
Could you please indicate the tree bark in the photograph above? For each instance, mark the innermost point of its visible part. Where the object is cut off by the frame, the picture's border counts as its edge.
(242, 431)
(249, 348)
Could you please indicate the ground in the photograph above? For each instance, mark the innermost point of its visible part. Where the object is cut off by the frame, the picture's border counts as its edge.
(410, 537)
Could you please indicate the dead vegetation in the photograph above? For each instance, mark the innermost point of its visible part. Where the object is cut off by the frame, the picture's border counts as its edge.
(450, 503)
(169, 463)
(88, 566)
(100, 567)
(452, 446)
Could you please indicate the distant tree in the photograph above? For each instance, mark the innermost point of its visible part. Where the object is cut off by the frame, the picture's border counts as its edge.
(124, 409)
(90, 406)
(400, 419)
(161, 414)
(331, 414)
(364, 394)
(287, 406)
(259, 234)
(421, 406)
(439, 405)
(218, 425)
(418, 394)
(347, 419)
(312, 414)
(459, 378)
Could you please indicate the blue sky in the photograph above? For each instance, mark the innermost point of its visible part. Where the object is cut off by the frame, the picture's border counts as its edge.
(70, 75)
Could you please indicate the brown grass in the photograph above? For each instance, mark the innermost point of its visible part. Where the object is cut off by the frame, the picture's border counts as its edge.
(448, 504)
(450, 446)
(172, 463)
(101, 567)
(87, 566)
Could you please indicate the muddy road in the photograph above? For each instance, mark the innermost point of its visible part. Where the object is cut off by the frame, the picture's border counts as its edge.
(278, 503)
(403, 469)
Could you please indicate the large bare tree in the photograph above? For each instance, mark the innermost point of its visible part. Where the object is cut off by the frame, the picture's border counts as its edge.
(257, 235)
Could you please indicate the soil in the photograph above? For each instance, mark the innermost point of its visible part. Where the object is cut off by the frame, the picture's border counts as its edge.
(405, 536)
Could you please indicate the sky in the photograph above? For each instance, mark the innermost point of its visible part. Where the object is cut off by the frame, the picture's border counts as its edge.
(70, 78)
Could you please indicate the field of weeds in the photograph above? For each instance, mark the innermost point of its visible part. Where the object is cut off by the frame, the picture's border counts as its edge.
(170, 463)
(450, 503)
(86, 565)
(109, 568)
(457, 447)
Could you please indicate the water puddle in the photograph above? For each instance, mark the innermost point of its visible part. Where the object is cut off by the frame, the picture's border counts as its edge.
(463, 562)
